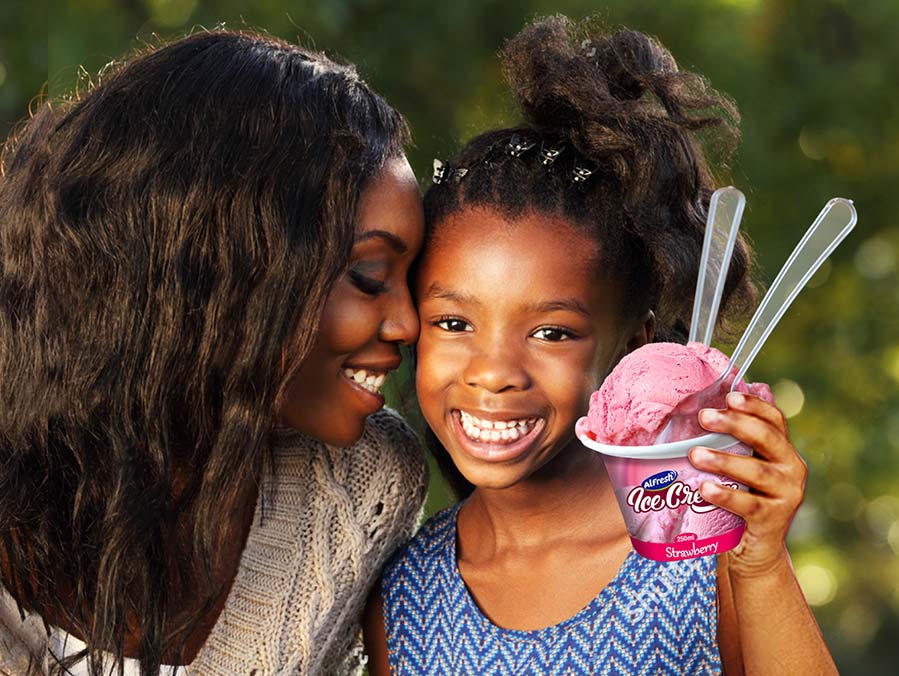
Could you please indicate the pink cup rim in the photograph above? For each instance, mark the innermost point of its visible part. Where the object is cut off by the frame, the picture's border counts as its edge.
(671, 449)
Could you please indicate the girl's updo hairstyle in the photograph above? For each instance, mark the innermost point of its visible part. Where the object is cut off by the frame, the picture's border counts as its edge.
(618, 106)
(629, 125)
(168, 239)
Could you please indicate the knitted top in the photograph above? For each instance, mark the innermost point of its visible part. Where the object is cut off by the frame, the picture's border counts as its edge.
(313, 551)
(652, 619)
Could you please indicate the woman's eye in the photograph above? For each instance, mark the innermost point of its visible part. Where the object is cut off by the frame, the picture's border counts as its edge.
(553, 334)
(372, 287)
(452, 324)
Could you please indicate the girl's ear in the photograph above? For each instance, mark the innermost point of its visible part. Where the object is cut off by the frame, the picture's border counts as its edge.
(643, 334)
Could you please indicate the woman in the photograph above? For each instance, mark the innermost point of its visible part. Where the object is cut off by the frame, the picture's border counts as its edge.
(203, 268)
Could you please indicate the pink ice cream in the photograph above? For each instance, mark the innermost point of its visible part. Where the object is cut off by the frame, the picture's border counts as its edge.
(646, 385)
(659, 498)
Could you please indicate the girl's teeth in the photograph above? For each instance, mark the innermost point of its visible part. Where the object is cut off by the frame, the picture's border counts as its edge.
(495, 431)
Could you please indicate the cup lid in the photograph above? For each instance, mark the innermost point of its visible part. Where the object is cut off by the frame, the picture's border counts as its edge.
(671, 449)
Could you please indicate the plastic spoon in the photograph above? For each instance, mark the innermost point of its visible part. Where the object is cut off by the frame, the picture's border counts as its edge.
(722, 225)
(830, 228)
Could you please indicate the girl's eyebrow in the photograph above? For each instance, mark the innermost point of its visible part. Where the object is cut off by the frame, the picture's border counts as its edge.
(395, 242)
(565, 305)
(435, 291)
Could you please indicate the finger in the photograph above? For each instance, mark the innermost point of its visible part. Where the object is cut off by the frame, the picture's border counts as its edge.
(752, 507)
(749, 403)
(765, 439)
(764, 477)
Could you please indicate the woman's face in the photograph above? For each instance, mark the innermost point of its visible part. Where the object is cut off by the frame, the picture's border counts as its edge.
(516, 332)
(367, 316)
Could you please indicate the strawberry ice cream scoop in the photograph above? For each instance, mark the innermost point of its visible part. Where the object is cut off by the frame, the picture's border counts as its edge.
(635, 399)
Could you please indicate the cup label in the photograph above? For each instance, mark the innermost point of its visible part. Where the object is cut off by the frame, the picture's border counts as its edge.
(675, 494)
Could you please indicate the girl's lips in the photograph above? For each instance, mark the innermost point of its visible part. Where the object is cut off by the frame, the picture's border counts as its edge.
(494, 452)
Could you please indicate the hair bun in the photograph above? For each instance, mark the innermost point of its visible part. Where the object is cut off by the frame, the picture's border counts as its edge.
(607, 93)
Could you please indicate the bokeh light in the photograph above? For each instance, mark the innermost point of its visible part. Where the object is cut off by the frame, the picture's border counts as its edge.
(789, 397)
(818, 583)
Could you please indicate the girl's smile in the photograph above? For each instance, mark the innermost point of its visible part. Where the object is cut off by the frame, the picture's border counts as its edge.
(515, 334)
(496, 437)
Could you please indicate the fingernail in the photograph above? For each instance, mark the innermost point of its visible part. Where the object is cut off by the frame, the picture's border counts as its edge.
(701, 455)
(709, 488)
(736, 399)
(708, 415)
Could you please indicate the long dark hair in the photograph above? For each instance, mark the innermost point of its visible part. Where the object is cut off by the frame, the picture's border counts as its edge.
(167, 242)
(616, 108)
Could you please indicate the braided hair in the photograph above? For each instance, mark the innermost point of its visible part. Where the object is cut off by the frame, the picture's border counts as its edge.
(614, 139)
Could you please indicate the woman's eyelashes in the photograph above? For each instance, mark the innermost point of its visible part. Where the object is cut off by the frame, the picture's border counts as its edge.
(366, 284)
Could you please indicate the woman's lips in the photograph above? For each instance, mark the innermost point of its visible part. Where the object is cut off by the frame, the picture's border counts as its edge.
(366, 385)
(495, 440)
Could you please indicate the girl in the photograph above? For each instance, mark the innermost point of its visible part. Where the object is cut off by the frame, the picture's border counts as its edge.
(203, 267)
(554, 248)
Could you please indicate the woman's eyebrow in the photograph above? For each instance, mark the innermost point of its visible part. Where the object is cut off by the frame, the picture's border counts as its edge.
(395, 242)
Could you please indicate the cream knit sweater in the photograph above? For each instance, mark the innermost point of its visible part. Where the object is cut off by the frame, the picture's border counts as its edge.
(335, 516)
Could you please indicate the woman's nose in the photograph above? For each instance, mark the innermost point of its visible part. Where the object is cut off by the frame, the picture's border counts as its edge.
(496, 367)
(400, 325)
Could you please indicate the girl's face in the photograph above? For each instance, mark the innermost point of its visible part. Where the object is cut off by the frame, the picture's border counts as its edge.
(367, 316)
(517, 329)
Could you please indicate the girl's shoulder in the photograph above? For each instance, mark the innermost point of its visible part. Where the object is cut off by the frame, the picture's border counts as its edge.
(430, 551)
(436, 535)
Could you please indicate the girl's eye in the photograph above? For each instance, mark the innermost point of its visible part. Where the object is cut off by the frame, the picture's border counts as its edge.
(453, 324)
(553, 334)
(368, 285)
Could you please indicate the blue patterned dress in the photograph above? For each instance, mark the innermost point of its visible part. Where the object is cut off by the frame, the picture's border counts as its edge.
(653, 618)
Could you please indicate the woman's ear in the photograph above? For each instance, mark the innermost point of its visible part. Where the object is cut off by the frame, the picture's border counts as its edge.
(643, 334)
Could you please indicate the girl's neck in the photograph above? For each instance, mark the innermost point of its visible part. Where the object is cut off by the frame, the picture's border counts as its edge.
(571, 497)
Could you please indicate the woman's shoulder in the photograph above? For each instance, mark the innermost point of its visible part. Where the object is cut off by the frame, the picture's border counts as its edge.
(389, 443)
(23, 640)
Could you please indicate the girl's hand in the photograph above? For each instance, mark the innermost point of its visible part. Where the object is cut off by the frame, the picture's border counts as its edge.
(775, 475)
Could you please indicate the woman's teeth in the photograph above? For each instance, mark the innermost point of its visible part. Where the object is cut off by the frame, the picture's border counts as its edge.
(495, 431)
(369, 380)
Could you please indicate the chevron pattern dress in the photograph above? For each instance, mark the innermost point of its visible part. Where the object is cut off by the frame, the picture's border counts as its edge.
(652, 619)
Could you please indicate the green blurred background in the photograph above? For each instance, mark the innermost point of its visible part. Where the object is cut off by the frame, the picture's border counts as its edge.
(815, 81)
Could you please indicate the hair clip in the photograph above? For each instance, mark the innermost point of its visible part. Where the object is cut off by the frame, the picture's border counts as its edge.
(549, 155)
(439, 171)
(591, 52)
(456, 175)
(581, 173)
(518, 146)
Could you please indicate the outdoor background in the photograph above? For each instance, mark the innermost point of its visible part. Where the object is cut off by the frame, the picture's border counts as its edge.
(816, 84)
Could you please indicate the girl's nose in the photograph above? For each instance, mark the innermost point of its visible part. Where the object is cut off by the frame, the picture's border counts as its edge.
(496, 369)
(400, 325)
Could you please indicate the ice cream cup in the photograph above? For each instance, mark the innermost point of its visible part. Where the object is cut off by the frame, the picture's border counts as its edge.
(658, 492)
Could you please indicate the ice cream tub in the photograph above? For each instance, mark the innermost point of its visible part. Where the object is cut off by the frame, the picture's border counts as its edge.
(666, 516)
(656, 486)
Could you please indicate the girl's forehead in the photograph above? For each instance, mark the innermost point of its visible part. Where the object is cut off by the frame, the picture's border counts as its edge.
(482, 254)
(479, 224)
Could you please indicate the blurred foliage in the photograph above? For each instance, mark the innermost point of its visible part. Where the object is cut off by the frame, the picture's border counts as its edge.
(815, 82)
